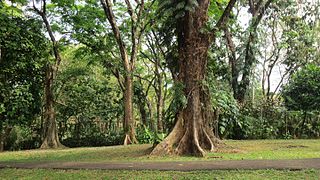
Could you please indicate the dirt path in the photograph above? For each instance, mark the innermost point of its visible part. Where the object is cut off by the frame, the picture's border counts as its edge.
(175, 166)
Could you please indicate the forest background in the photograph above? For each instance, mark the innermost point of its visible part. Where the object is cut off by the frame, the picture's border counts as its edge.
(97, 73)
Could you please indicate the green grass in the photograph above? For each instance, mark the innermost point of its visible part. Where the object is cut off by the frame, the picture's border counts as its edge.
(107, 174)
(251, 149)
(269, 149)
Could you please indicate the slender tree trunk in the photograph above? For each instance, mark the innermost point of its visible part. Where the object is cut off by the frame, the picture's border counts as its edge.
(159, 99)
(128, 64)
(143, 113)
(3, 136)
(1, 142)
(257, 10)
(159, 113)
(232, 61)
(129, 127)
(247, 70)
(150, 115)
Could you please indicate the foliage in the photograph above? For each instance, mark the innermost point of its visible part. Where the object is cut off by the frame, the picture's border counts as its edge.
(224, 104)
(272, 121)
(303, 90)
(228, 112)
(94, 138)
(22, 138)
(179, 101)
(23, 49)
(88, 105)
(146, 136)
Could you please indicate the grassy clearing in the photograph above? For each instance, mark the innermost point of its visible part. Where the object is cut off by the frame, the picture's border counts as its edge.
(107, 174)
(252, 149)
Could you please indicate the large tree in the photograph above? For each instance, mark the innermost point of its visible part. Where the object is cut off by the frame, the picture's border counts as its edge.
(192, 134)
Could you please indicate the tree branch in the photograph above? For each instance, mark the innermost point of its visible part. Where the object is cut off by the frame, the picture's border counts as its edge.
(223, 19)
(107, 7)
(50, 32)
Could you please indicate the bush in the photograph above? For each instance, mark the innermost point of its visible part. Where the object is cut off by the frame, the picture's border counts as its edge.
(267, 121)
(94, 140)
(22, 138)
(146, 136)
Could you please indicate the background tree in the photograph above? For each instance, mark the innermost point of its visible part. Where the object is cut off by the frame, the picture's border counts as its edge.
(302, 92)
(138, 14)
(50, 131)
(156, 53)
(288, 42)
(242, 60)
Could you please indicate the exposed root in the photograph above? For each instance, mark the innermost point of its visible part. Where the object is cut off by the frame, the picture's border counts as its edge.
(208, 140)
(168, 145)
(127, 140)
(130, 138)
(185, 141)
(54, 144)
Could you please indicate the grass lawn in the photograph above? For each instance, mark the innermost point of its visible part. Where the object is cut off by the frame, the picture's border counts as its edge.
(106, 174)
(251, 149)
(231, 150)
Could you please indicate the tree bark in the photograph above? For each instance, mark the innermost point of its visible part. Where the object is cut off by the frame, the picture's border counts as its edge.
(159, 93)
(128, 64)
(232, 61)
(3, 136)
(257, 12)
(192, 133)
(129, 128)
(50, 133)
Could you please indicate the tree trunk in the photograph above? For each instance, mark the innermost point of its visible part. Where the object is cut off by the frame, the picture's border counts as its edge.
(191, 134)
(247, 69)
(129, 128)
(257, 11)
(159, 99)
(150, 115)
(159, 112)
(143, 112)
(3, 136)
(51, 139)
(128, 64)
(232, 61)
